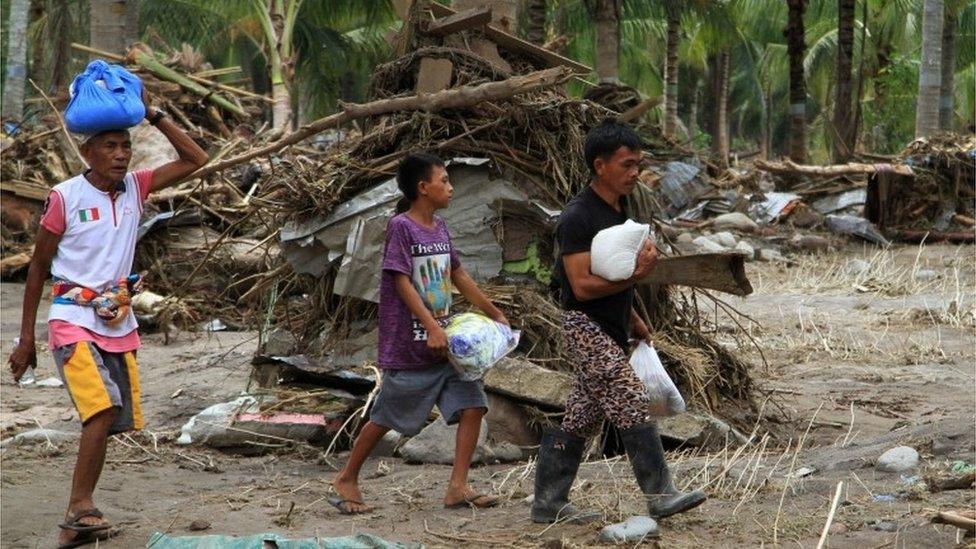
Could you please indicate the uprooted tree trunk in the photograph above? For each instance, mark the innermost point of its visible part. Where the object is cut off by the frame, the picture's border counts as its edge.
(447, 99)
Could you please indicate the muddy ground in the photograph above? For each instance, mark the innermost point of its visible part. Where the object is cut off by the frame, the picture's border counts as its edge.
(858, 363)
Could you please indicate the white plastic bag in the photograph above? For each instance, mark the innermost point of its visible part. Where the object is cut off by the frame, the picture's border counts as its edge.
(614, 250)
(475, 343)
(665, 398)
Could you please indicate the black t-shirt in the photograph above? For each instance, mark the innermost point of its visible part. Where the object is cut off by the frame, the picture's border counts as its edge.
(584, 216)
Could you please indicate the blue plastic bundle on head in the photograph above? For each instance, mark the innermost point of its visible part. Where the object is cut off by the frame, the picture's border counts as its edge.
(104, 97)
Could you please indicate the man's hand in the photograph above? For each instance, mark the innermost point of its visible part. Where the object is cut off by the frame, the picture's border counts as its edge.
(23, 357)
(437, 340)
(646, 260)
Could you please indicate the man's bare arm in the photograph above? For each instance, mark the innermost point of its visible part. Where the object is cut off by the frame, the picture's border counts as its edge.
(588, 286)
(45, 246)
(191, 156)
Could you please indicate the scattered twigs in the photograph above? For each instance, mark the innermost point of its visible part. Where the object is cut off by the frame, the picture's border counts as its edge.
(64, 127)
(830, 515)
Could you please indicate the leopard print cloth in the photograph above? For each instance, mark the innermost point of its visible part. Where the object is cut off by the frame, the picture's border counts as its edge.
(604, 384)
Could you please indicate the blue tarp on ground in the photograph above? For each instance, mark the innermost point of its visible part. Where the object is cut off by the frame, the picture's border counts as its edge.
(271, 541)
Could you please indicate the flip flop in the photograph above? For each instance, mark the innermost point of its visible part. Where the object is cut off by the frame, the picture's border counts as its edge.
(343, 506)
(84, 538)
(472, 501)
(74, 522)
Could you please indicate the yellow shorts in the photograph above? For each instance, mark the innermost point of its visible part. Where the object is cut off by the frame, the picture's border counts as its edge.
(98, 380)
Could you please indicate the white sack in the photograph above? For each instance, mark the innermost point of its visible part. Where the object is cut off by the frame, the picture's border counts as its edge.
(613, 253)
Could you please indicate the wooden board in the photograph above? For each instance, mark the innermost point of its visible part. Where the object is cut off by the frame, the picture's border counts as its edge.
(464, 20)
(724, 272)
(434, 75)
(514, 43)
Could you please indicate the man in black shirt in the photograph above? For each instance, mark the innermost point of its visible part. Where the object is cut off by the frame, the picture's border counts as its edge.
(598, 319)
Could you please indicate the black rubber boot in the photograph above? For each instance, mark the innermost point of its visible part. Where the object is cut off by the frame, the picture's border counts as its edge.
(559, 458)
(646, 455)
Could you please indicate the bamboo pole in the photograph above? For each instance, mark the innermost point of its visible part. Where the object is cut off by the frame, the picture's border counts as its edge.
(851, 168)
(446, 99)
(192, 77)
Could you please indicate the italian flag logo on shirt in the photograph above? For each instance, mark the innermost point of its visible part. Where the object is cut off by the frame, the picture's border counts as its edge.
(89, 214)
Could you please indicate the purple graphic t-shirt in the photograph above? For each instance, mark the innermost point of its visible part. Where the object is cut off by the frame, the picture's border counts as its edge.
(427, 256)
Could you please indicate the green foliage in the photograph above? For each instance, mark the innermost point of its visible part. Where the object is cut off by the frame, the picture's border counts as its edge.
(889, 116)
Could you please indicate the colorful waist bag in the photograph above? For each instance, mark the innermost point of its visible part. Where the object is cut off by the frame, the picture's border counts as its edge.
(112, 305)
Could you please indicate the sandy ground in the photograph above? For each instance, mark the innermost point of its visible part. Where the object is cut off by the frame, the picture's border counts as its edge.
(856, 363)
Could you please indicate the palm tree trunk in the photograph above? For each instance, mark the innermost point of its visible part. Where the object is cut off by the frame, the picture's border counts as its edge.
(693, 114)
(720, 126)
(36, 47)
(607, 16)
(108, 24)
(796, 47)
(535, 17)
(948, 70)
(58, 19)
(843, 117)
(13, 86)
(671, 70)
(930, 73)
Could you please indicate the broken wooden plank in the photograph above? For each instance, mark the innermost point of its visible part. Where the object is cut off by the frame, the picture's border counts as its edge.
(639, 109)
(514, 43)
(434, 75)
(528, 382)
(460, 21)
(724, 272)
(26, 190)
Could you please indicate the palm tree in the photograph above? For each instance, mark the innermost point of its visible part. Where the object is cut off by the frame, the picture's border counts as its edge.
(930, 72)
(308, 53)
(114, 24)
(606, 14)
(948, 68)
(671, 67)
(796, 46)
(535, 19)
(843, 138)
(13, 86)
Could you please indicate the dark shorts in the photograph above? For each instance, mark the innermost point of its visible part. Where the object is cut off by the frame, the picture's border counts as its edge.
(406, 397)
(98, 380)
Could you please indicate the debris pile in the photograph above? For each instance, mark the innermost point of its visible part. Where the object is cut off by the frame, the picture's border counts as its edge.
(513, 163)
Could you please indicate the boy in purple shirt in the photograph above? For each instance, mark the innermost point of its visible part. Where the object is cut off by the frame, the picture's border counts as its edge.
(420, 267)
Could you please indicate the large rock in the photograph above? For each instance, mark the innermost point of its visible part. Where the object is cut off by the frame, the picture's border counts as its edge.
(631, 530)
(724, 239)
(529, 382)
(706, 432)
(898, 460)
(746, 249)
(508, 422)
(435, 444)
(707, 245)
(735, 221)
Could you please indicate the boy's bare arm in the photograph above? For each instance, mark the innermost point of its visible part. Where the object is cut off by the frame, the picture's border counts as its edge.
(469, 289)
(436, 338)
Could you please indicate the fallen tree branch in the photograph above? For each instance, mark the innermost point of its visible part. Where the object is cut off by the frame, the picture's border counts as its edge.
(956, 519)
(447, 99)
(852, 168)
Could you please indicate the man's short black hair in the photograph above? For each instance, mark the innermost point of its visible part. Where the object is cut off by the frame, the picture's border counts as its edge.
(413, 169)
(605, 139)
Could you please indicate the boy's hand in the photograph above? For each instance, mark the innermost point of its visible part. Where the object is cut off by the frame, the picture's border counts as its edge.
(500, 318)
(23, 357)
(437, 340)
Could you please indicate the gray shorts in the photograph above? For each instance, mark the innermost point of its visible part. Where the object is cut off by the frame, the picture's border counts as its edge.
(98, 380)
(406, 397)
